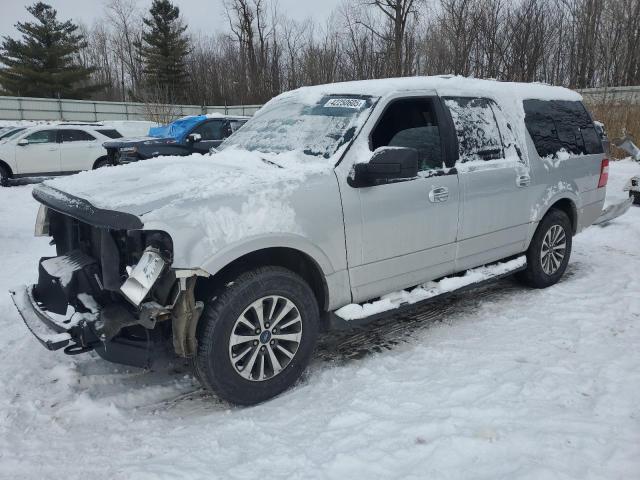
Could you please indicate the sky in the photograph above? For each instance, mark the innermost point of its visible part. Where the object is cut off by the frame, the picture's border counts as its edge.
(200, 15)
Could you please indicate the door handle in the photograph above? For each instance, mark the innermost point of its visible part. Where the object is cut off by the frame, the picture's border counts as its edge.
(439, 194)
(523, 180)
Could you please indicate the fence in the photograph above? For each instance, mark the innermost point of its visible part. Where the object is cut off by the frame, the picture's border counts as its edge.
(25, 108)
(609, 95)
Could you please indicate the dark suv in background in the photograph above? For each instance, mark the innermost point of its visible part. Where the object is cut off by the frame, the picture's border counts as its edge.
(187, 135)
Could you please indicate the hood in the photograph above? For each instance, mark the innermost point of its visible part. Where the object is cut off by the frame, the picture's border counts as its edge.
(167, 186)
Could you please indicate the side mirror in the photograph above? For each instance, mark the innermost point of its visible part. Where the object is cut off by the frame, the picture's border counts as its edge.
(227, 131)
(194, 138)
(23, 141)
(388, 164)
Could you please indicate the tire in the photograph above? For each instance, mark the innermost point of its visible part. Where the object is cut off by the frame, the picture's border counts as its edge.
(249, 378)
(542, 269)
(4, 177)
(635, 196)
(103, 162)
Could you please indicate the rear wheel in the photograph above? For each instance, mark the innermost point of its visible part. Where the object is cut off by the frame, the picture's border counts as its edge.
(549, 251)
(635, 196)
(256, 338)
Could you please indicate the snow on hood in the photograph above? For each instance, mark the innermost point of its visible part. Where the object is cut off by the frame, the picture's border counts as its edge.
(162, 186)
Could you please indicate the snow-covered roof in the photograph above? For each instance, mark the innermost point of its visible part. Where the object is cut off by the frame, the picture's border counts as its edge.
(445, 85)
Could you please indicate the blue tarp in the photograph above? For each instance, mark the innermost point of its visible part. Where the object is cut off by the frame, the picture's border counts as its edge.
(177, 129)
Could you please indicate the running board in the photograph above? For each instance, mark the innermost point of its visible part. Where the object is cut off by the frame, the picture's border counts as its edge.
(355, 315)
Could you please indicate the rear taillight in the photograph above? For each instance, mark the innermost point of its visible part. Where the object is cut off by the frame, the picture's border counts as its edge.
(604, 174)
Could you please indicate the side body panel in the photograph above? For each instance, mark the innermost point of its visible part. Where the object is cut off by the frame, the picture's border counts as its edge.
(36, 158)
(494, 219)
(306, 217)
(396, 236)
(80, 155)
(574, 178)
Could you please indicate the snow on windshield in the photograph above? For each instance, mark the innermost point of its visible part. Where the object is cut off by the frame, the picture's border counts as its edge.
(293, 123)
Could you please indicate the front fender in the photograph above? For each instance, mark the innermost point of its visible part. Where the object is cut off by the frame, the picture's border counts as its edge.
(229, 253)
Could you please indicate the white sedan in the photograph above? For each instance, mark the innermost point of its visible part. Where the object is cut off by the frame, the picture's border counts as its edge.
(48, 150)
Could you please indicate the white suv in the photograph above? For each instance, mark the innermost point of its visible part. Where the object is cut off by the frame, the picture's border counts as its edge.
(54, 150)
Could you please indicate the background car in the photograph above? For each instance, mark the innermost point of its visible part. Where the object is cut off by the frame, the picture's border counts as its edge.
(187, 135)
(7, 132)
(47, 150)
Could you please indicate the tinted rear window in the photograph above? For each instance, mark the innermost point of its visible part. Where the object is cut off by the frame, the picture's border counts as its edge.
(76, 136)
(112, 133)
(556, 125)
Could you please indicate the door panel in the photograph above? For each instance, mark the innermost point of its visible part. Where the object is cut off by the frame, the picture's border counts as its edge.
(406, 238)
(41, 155)
(78, 150)
(407, 230)
(494, 220)
(494, 180)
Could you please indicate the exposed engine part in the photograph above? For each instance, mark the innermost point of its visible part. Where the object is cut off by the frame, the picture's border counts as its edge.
(143, 276)
(185, 316)
(114, 317)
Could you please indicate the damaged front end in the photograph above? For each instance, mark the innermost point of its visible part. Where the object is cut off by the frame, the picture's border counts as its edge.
(110, 288)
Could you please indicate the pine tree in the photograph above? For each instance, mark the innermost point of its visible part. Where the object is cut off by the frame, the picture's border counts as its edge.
(164, 49)
(44, 63)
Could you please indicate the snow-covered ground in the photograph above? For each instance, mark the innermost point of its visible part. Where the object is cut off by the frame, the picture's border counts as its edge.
(504, 382)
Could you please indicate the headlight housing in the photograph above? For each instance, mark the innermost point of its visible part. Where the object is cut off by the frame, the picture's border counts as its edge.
(143, 276)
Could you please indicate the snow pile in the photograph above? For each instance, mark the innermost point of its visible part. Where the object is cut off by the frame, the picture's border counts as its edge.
(502, 382)
(429, 290)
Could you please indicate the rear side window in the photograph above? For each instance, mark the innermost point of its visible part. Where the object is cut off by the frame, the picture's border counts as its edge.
(476, 128)
(75, 136)
(561, 125)
(110, 133)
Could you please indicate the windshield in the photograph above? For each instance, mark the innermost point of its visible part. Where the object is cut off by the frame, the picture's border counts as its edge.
(317, 128)
(11, 133)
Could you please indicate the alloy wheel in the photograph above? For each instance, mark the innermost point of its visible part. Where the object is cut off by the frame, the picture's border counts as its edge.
(265, 338)
(554, 248)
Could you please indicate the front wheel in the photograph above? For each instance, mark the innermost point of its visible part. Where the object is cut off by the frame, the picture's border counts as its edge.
(549, 251)
(636, 197)
(4, 177)
(256, 338)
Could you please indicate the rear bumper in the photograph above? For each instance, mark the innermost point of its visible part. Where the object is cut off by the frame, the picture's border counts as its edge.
(51, 332)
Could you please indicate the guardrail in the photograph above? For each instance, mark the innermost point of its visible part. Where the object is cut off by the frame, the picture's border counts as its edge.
(27, 108)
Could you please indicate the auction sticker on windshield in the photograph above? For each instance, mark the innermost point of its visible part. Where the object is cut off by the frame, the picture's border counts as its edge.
(355, 103)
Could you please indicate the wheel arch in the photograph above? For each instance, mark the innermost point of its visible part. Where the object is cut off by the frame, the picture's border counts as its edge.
(6, 168)
(294, 259)
(567, 206)
(100, 159)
